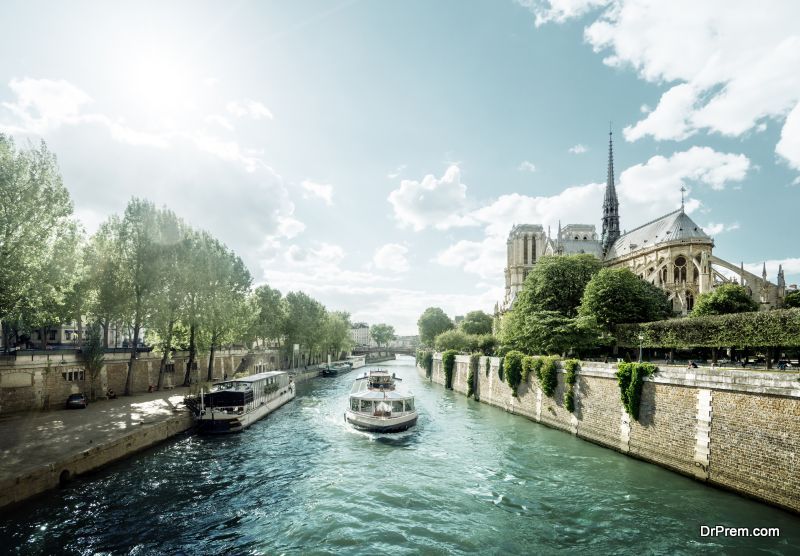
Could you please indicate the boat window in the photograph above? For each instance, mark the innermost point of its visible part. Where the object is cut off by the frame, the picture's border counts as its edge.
(354, 404)
(409, 405)
(366, 405)
(397, 406)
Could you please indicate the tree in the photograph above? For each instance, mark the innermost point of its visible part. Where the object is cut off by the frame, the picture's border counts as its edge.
(305, 320)
(557, 283)
(337, 333)
(476, 322)
(548, 332)
(268, 314)
(382, 334)
(93, 354)
(105, 294)
(457, 340)
(616, 296)
(431, 323)
(35, 223)
(723, 300)
(792, 300)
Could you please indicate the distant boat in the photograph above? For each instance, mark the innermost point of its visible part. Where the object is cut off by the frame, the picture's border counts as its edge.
(236, 404)
(376, 406)
(333, 369)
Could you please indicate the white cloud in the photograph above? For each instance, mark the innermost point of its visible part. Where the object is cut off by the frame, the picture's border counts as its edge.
(713, 229)
(391, 256)
(396, 172)
(578, 149)
(526, 166)
(727, 69)
(791, 268)
(433, 202)
(221, 121)
(318, 190)
(249, 108)
(646, 191)
(44, 103)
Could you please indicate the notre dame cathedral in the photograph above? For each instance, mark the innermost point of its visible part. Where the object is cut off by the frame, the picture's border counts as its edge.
(672, 252)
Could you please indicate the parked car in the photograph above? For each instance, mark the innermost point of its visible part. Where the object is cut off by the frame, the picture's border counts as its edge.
(77, 401)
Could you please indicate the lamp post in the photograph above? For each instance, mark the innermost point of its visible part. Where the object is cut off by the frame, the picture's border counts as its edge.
(641, 338)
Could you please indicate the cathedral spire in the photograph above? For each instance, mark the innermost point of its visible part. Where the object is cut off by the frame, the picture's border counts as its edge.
(764, 271)
(610, 203)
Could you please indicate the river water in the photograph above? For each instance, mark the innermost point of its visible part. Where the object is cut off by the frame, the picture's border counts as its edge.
(468, 479)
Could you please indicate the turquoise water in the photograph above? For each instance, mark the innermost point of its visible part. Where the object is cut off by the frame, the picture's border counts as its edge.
(468, 479)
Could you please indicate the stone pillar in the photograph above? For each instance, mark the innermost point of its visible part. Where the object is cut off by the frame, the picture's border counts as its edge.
(702, 448)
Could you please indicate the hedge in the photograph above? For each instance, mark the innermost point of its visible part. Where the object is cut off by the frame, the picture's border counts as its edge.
(780, 327)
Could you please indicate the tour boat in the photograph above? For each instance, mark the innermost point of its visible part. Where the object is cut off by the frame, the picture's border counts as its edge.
(234, 405)
(333, 369)
(376, 406)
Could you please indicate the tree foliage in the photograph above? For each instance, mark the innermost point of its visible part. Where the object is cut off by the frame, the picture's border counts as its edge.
(738, 330)
(513, 369)
(548, 332)
(93, 354)
(630, 377)
(792, 300)
(431, 323)
(476, 322)
(382, 334)
(616, 295)
(723, 300)
(557, 284)
(268, 314)
(448, 365)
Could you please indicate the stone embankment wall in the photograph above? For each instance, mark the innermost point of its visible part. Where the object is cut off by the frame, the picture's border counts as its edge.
(45, 381)
(739, 430)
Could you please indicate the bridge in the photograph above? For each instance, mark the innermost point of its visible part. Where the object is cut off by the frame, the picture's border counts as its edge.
(404, 350)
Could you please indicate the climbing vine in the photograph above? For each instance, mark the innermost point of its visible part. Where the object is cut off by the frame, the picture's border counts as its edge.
(548, 375)
(449, 363)
(513, 369)
(631, 377)
(500, 372)
(571, 366)
(474, 361)
(488, 365)
(528, 367)
(426, 361)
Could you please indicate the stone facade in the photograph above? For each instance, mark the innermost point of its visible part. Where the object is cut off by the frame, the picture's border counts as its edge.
(45, 381)
(733, 429)
(671, 252)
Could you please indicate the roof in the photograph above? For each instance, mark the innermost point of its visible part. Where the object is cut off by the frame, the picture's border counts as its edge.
(675, 226)
(376, 395)
(259, 376)
(589, 246)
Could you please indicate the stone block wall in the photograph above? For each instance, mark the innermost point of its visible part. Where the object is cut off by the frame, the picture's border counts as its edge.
(739, 430)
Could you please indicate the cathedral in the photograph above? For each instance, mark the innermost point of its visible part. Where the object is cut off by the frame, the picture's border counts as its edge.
(671, 252)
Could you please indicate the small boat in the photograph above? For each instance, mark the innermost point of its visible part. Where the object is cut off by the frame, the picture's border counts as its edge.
(376, 406)
(234, 405)
(333, 369)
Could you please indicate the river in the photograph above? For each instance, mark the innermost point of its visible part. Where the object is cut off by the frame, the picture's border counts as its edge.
(468, 479)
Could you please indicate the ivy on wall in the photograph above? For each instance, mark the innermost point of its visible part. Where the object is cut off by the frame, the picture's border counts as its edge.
(449, 363)
(425, 360)
(500, 369)
(739, 330)
(571, 366)
(488, 365)
(474, 361)
(513, 369)
(548, 375)
(630, 377)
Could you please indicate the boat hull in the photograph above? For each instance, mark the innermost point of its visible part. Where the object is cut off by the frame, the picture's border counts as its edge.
(215, 422)
(380, 424)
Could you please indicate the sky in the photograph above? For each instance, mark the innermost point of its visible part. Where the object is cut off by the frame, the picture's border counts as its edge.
(376, 154)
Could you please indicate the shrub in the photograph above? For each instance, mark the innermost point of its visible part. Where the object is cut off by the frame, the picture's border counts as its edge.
(527, 367)
(500, 369)
(448, 363)
(455, 340)
(571, 366)
(569, 400)
(513, 369)
(536, 367)
(474, 361)
(427, 363)
(630, 377)
(548, 375)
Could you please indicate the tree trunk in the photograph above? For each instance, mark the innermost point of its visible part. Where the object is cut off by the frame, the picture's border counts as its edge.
(192, 355)
(714, 356)
(43, 333)
(211, 360)
(167, 349)
(6, 337)
(769, 358)
(106, 329)
(129, 379)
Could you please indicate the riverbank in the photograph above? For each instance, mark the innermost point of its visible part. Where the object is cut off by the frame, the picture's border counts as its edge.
(734, 429)
(41, 450)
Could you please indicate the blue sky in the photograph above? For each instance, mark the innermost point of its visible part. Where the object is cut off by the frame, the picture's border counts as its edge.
(375, 154)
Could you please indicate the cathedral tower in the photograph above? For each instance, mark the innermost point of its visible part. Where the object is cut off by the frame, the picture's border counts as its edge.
(610, 204)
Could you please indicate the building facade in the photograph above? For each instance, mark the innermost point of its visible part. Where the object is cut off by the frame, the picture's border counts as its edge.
(671, 252)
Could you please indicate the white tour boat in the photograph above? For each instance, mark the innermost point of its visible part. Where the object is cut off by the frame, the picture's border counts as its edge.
(234, 405)
(376, 406)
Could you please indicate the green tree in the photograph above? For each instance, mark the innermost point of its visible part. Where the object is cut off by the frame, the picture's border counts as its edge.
(457, 340)
(35, 222)
(616, 296)
(431, 323)
(792, 300)
(93, 354)
(268, 314)
(337, 333)
(557, 283)
(305, 320)
(476, 322)
(104, 289)
(382, 334)
(723, 300)
(548, 332)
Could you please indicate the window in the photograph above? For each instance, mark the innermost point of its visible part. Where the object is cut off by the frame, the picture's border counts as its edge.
(680, 269)
(73, 375)
(397, 406)
(170, 368)
(366, 406)
(354, 404)
(409, 405)
(51, 336)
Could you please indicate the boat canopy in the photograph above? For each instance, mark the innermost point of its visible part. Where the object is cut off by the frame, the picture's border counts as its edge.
(388, 395)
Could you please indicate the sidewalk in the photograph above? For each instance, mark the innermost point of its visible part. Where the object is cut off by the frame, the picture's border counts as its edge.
(29, 441)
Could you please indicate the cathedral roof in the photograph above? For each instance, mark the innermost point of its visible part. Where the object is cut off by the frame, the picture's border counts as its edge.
(675, 226)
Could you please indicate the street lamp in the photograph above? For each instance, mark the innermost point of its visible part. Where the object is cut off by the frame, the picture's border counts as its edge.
(641, 339)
